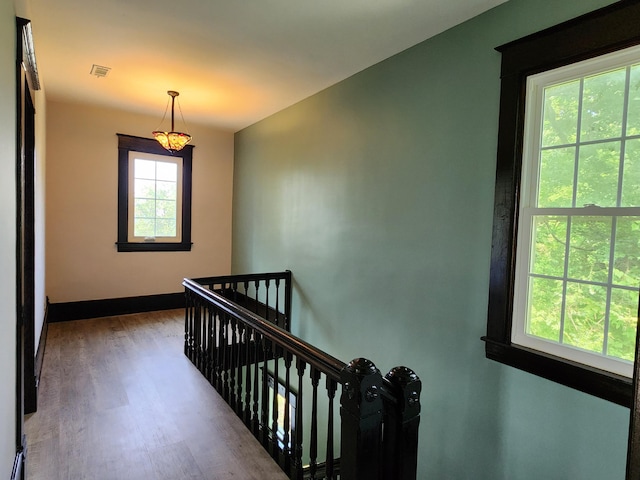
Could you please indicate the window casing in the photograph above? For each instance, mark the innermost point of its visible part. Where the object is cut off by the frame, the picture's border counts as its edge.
(604, 31)
(154, 203)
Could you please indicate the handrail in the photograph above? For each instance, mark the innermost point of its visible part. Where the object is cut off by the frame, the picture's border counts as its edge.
(249, 358)
(313, 356)
(243, 277)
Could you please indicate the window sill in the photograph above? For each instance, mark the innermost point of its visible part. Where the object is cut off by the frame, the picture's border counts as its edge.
(154, 247)
(600, 383)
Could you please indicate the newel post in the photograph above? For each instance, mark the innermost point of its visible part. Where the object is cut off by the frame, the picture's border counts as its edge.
(361, 414)
(401, 430)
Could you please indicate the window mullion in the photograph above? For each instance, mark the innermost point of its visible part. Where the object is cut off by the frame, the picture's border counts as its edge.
(576, 164)
(607, 308)
(567, 248)
(623, 140)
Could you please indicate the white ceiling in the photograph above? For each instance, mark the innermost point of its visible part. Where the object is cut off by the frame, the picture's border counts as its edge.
(234, 62)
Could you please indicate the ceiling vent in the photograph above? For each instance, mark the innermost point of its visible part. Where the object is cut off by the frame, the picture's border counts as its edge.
(99, 71)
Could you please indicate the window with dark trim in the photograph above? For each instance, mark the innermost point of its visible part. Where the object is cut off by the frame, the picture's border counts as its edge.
(127, 241)
(603, 31)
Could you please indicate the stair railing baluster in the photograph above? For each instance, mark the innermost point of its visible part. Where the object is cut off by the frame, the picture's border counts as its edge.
(247, 390)
(287, 412)
(266, 300)
(188, 315)
(332, 386)
(210, 346)
(287, 300)
(298, 470)
(277, 319)
(219, 351)
(274, 448)
(256, 301)
(246, 294)
(226, 367)
(313, 441)
(242, 331)
(231, 347)
(264, 411)
(255, 420)
(196, 340)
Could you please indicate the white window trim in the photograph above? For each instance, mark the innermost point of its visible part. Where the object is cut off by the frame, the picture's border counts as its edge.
(178, 160)
(529, 188)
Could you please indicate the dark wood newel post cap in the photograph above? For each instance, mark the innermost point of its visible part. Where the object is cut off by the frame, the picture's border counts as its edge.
(361, 382)
(408, 387)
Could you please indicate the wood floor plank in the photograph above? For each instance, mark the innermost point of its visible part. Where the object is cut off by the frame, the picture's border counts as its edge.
(119, 400)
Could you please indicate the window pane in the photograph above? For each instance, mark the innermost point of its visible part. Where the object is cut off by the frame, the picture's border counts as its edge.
(633, 115)
(556, 177)
(144, 227)
(623, 318)
(166, 227)
(626, 266)
(598, 174)
(144, 208)
(545, 308)
(631, 175)
(560, 122)
(167, 171)
(166, 190)
(602, 105)
(144, 189)
(585, 316)
(550, 237)
(165, 209)
(145, 169)
(589, 252)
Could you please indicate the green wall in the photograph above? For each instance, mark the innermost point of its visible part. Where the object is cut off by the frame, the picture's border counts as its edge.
(378, 194)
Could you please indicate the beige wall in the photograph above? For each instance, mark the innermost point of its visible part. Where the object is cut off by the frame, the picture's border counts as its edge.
(81, 190)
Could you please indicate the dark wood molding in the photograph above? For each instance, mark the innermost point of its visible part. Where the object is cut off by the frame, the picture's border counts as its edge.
(633, 448)
(127, 143)
(154, 247)
(42, 344)
(596, 33)
(614, 388)
(26, 83)
(61, 312)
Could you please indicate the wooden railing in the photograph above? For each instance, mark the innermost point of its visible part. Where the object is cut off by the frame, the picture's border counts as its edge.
(284, 389)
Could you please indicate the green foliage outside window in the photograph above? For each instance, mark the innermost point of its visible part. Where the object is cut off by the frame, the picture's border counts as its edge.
(584, 270)
(155, 194)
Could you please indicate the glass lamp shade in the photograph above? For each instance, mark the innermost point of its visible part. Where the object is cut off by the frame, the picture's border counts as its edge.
(172, 141)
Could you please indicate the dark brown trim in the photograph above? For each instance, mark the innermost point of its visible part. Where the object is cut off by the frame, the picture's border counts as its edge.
(128, 143)
(614, 388)
(154, 247)
(633, 443)
(596, 33)
(605, 30)
(42, 343)
(62, 312)
(26, 75)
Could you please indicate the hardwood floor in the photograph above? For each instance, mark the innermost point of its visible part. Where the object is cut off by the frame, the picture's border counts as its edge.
(119, 400)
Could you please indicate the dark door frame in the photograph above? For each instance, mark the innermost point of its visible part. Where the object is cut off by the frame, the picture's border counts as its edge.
(26, 383)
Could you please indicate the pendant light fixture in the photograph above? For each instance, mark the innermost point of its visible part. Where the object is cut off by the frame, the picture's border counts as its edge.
(172, 141)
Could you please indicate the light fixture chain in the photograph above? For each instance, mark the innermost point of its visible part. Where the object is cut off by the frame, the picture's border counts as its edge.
(166, 109)
(186, 127)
